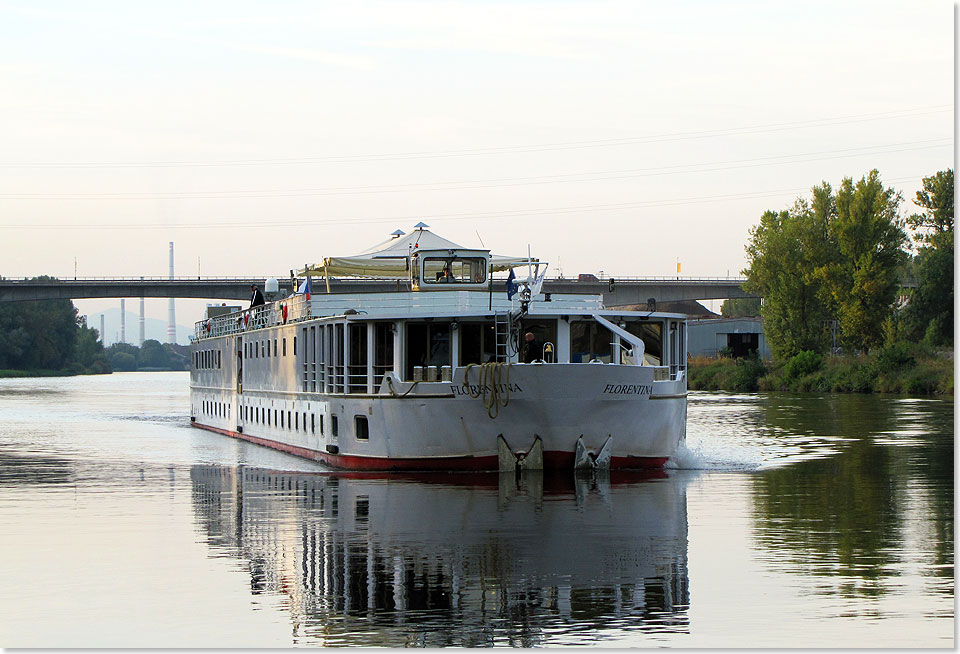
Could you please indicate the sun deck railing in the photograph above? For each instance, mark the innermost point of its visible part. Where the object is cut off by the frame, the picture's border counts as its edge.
(281, 312)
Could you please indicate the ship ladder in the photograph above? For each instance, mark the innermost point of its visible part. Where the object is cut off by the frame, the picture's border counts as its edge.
(501, 323)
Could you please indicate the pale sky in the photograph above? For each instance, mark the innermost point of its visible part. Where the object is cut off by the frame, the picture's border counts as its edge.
(613, 136)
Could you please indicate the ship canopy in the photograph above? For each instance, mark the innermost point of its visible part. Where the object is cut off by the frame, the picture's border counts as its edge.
(391, 258)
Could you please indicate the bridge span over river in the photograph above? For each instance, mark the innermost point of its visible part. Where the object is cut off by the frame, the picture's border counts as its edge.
(617, 291)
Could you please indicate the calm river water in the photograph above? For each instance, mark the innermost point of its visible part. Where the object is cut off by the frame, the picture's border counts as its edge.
(792, 521)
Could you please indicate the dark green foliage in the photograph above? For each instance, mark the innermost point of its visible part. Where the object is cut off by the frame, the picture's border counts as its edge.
(740, 307)
(123, 361)
(740, 375)
(801, 364)
(153, 355)
(863, 277)
(784, 253)
(895, 357)
(929, 315)
(837, 257)
(911, 368)
(936, 198)
(747, 375)
(48, 335)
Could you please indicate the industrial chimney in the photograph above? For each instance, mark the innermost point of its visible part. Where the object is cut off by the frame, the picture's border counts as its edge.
(142, 319)
(172, 326)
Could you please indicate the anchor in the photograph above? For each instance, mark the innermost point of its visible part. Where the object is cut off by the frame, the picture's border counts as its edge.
(510, 461)
(587, 459)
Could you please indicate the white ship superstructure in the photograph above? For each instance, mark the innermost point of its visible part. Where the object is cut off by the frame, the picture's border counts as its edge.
(435, 375)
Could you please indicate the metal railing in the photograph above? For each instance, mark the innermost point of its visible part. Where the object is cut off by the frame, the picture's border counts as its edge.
(281, 312)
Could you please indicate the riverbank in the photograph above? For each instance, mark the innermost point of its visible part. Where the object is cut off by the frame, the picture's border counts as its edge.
(8, 374)
(903, 368)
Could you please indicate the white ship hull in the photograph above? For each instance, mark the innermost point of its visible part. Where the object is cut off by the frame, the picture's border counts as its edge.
(431, 377)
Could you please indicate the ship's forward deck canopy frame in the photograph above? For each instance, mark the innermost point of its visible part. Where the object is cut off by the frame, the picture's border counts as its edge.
(414, 256)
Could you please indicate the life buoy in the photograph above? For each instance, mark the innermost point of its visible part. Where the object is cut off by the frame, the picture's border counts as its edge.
(246, 319)
(284, 311)
(208, 326)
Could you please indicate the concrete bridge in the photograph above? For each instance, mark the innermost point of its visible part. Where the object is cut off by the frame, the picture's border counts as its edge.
(616, 291)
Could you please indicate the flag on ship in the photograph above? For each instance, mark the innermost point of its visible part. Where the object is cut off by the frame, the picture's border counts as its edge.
(511, 285)
(305, 287)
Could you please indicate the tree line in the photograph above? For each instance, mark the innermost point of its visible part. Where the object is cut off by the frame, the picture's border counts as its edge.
(152, 355)
(49, 336)
(829, 268)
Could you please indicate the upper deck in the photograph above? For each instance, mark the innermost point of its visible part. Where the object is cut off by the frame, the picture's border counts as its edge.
(406, 305)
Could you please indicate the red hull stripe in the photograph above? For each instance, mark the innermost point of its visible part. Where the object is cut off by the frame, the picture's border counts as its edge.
(553, 459)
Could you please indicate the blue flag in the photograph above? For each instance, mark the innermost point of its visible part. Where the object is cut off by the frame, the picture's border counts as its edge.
(511, 285)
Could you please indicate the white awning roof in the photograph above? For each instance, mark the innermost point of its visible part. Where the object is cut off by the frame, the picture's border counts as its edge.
(389, 258)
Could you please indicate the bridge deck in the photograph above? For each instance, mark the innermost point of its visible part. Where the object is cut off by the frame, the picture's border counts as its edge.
(633, 290)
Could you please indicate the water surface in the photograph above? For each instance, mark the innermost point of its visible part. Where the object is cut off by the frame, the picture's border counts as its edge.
(789, 521)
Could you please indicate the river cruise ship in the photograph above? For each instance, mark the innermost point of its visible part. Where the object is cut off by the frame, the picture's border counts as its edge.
(452, 370)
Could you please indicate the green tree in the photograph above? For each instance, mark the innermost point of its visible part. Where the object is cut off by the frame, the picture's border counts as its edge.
(784, 254)
(929, 314)
(863, 277)
(123, 361)
(936, 198)
(152, 355)
(740, 306)
(89, 354)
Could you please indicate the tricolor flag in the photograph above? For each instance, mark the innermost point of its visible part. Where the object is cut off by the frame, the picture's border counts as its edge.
(305, 287)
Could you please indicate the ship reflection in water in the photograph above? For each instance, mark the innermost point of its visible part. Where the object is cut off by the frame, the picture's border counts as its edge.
(458, 559)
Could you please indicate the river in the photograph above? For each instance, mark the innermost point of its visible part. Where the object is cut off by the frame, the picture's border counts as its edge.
(788, 521)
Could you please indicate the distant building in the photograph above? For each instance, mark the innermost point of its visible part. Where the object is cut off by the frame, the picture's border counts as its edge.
(740, 336)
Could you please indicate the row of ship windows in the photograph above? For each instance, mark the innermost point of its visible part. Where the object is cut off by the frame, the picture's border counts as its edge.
(262, 348)
(289, 421)
(206, 359)
(218, 409)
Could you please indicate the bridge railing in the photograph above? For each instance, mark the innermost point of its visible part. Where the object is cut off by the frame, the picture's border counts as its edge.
(281, 312)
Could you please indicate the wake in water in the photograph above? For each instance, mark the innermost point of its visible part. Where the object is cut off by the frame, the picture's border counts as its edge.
(717, 456)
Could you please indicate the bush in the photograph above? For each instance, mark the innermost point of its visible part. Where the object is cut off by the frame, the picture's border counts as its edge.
(746, 377)
(894, 358)
(801, 364)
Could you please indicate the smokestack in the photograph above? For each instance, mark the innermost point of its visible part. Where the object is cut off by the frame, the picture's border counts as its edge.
(142, 320)
(103, 334)
(123, 321)
(172, 326)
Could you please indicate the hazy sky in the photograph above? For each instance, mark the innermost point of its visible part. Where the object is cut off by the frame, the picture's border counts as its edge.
(614, 136)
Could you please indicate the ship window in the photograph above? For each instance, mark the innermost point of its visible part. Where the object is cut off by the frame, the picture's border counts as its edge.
(362, 428)
(382, 351)
(313, 423)
(589, 340)
(274, 416)
(478, 342)
(289, 422)
(544, 331)
(651, 333)
(304, 421)
(284, 346)
(321, 424)
(334, 426)
(218, 358)
(274, 347)
(294, 345)
(454, 270)
(357, 367)
(428, 344)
